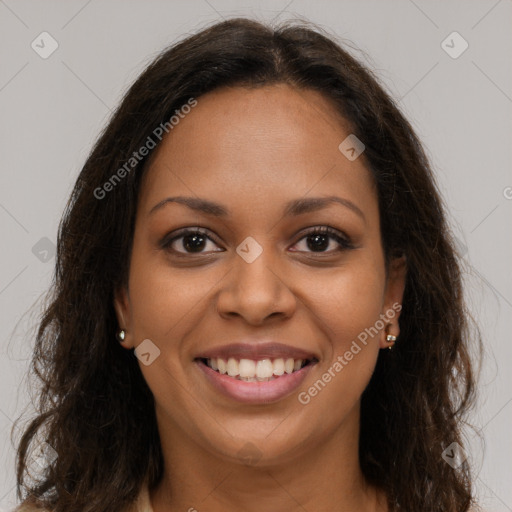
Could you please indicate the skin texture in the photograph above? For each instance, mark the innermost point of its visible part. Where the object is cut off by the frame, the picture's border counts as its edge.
(252, 150)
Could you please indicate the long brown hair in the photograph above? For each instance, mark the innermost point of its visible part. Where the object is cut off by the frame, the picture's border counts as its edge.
(95, 409)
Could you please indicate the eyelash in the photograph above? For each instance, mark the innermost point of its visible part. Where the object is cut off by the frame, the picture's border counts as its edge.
(344, 241)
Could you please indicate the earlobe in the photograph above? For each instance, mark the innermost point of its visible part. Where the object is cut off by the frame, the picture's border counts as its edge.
(121, 306)
(393, 299)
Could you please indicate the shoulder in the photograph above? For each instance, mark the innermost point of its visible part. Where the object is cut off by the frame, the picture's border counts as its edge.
(141, 504)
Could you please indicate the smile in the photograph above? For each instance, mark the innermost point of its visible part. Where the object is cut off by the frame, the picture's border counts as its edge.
(250, 370)
(255, 382)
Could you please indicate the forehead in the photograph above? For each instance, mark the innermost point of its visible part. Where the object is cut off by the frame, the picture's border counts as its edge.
(257, 145)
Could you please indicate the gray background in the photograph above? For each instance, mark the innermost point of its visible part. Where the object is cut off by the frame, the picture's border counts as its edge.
(53, 109)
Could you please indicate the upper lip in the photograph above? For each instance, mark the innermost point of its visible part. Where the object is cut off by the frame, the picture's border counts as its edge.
(256, 351)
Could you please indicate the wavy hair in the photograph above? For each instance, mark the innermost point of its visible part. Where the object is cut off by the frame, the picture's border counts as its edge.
(95, 409)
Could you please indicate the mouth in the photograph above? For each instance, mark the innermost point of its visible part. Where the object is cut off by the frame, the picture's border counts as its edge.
(255, 373)
(256, 370)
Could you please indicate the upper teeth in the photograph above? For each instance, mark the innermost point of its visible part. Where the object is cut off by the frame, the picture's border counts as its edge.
(248, 369)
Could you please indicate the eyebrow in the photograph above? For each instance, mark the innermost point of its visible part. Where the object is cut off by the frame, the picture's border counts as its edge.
(292, 208)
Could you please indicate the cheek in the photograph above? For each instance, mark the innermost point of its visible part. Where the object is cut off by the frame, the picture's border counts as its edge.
(348, 301)
(161, 297)
(347, 306)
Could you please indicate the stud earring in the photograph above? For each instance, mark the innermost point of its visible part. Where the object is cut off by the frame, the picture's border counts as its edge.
(121, 335)
(390, 338)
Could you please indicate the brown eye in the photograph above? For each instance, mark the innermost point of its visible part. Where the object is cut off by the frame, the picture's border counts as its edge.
(189, 241)
(323, 239)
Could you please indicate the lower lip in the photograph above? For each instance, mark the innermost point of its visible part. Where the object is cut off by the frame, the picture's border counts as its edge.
(255, 392)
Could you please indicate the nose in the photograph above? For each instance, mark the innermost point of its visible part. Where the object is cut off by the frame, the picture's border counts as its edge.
(256, 291)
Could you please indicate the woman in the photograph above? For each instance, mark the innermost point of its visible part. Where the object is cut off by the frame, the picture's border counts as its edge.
(254, 230)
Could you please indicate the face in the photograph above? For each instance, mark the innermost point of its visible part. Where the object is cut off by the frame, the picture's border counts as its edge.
(265, 311)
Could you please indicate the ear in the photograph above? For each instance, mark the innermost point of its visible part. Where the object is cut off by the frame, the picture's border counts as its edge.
(123, 313)
(393, 297)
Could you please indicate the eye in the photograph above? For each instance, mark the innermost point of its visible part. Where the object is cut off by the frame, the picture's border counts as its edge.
(319, 240)
(195, 241)
(188, 241)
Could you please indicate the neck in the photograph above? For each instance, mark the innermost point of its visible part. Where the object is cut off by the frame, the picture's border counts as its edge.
(321, 477)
